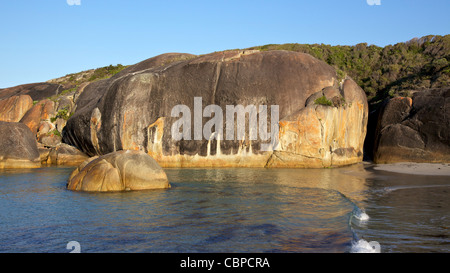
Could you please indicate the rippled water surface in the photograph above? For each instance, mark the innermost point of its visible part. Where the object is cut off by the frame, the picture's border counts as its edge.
(229, 210)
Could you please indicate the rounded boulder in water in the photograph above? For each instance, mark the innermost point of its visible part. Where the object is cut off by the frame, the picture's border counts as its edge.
(118, 171)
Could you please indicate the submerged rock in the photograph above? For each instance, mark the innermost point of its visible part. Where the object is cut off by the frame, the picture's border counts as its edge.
(133, 111)
(414, 129)
(118, 171)
(18, 146)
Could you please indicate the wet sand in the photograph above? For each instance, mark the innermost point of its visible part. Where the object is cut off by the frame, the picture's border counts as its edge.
(416, 168)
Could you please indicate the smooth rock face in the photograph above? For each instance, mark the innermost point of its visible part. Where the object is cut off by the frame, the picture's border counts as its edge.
(118, 171)
(414, 129)
(12, 109)
(18, 146)
(322, 136)
(132, 110)
(37, 91)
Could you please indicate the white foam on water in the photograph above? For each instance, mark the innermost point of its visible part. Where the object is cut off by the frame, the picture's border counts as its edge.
(361, 215)
(361, 219)
(408, 187)
(362, 246)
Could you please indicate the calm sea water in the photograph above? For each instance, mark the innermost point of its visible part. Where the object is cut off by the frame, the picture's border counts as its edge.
(230, 210)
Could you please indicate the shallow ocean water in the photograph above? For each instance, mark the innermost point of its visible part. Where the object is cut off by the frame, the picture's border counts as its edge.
(230, 210)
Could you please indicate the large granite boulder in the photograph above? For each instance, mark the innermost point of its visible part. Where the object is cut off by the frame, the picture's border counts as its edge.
(414, 129)
(12, 109)
(18, 146)
(134, 111)
(118, 171)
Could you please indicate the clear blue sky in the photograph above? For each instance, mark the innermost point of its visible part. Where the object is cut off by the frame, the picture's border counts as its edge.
(45, 39)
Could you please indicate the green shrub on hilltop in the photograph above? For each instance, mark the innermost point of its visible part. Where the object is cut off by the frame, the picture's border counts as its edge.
(75, 79)
(387, 71)
(106, 72)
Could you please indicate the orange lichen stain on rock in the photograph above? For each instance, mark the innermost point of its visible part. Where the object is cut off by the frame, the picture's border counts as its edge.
(301, 134)
(155, 132)
(95, 125)
(42, 111)
(408, 99)
(127, 138)
(48, 110)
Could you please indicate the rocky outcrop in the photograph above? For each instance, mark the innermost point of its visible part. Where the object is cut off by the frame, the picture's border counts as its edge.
(50, 139)
(414, 129)
(12, 109)
(118, 171)
(45, 118)
(61, 155)
(18, 147)
(134, 111)
(41, 111)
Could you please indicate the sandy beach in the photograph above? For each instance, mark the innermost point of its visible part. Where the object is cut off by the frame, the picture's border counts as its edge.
(416, 168)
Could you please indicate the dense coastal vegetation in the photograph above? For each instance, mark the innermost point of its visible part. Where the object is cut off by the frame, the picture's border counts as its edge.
(383, 72)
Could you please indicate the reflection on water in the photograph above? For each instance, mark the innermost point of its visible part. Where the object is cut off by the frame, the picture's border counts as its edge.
(225, 210)
(409, 213)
